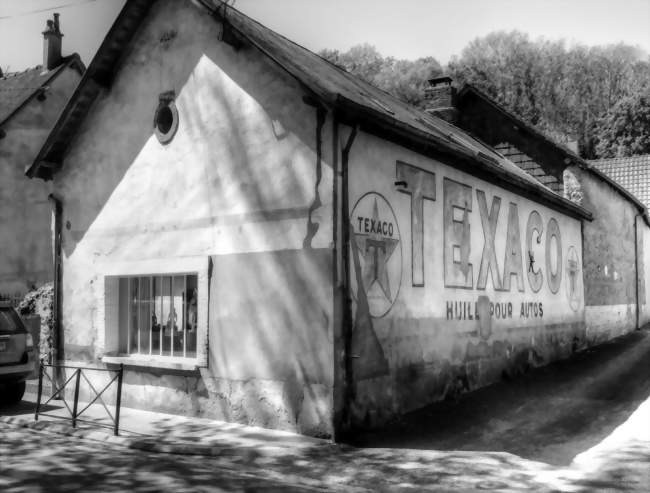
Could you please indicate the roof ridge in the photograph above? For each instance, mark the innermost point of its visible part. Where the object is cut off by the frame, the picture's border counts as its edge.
(355, 101)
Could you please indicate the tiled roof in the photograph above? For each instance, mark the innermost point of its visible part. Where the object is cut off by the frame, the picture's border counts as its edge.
(632, 172)
(335, 85)
(529, 139)
(355, 101)
(17, 88)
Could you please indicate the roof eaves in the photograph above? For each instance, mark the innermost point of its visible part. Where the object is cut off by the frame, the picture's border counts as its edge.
(487, 163)
(88, 88)
(54, 73)
(339, 101)
(572, 156)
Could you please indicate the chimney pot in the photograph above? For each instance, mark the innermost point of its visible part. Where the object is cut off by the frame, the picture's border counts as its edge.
(440, 98)
(52, 44)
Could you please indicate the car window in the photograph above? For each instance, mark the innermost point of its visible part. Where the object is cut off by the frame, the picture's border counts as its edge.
(9, 321)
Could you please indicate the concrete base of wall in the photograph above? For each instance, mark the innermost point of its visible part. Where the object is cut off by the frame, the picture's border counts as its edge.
(273, 404)
(606, 322)
(408, 388)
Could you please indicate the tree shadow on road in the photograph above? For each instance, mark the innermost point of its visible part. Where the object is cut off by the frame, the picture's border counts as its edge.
(22, 408)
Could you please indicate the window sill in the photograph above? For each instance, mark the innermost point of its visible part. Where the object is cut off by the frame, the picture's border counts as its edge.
(166, 363)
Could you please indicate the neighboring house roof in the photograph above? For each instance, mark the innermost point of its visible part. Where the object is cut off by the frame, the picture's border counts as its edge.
(19, 87)
(354, 101)
(632, 172)
(482, 114)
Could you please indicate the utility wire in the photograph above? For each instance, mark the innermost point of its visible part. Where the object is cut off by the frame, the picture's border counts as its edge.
(63, 6)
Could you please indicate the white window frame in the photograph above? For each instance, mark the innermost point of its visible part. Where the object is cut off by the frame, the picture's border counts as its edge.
(109, 330)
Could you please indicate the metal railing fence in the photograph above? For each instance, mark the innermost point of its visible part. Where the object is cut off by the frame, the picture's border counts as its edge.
(77, 374)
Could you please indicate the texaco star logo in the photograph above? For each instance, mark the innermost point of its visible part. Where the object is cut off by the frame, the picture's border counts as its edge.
(376, 253)
(573, 278)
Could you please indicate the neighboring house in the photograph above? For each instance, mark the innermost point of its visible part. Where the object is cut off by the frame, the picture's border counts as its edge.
(30, 102)
(259, 236)
(632, 173)
(616, 243)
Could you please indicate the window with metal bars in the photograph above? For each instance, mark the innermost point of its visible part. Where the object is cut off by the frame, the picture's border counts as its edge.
(157, 315)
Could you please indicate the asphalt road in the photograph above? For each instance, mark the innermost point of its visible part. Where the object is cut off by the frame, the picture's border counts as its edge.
(578, 425)
(40, 461)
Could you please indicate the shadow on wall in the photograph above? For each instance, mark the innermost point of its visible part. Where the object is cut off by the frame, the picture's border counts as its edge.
(271, 340)
(127, 102)
(277, 320)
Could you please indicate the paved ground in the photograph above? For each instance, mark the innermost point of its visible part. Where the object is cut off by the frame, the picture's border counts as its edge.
(581, 425)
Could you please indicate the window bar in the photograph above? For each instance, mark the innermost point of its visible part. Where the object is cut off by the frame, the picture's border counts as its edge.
(128, 316)
(135, 303)
(160, 322)
(150, 308)
(172, 313)
(184, 315)
(139, 310)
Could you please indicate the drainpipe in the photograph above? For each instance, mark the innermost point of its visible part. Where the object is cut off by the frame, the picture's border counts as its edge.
(347, 310)
(56, 354)
(636, 268)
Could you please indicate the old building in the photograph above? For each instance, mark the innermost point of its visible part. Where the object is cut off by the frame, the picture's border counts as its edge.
(259, 236)
(616, 243)
(30, 102)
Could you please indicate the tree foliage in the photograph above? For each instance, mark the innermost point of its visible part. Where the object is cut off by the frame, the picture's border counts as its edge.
(405, 79)
(564, 91)
(596, 95)
(625, 128)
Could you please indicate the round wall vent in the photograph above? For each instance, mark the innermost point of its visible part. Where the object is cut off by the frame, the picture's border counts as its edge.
(165, 122)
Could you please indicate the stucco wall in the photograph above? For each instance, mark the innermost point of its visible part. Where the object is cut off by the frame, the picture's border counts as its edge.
(430, 321)
(609, 259)
(243, 183)
(25, 237)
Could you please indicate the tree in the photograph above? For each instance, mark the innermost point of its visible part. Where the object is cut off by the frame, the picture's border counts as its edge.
(562, 91)
(625, 129)
(404, 79)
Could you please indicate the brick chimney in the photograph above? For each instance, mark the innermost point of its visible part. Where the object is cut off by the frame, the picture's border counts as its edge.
(440, 99)
(52, 44)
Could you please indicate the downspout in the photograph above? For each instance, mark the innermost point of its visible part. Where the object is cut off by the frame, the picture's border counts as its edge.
(56, 353)
(636, 269)
(348, 394)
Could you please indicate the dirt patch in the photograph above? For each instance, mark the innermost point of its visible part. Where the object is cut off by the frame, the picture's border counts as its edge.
(41, 302)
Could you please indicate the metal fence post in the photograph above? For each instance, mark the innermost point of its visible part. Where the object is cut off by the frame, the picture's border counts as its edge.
(40, 390)
(119, 399)
(76, 399)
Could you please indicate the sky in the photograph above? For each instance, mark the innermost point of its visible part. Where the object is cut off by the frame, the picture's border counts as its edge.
(399, 28)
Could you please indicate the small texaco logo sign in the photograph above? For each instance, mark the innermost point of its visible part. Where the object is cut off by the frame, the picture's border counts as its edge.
(376, 253)
(573, 278)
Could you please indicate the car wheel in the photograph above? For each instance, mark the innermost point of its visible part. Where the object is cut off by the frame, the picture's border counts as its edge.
(13, 393)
